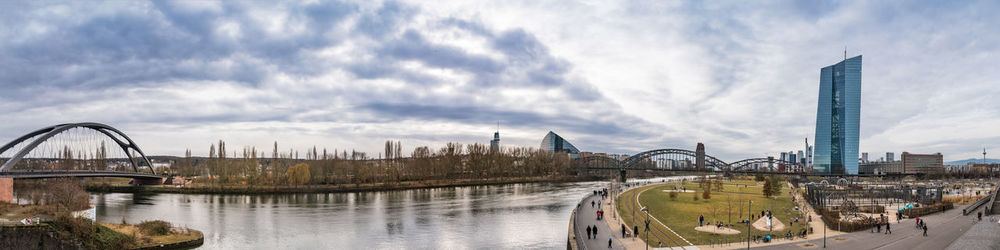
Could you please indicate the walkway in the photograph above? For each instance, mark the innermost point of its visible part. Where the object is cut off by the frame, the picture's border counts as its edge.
(587, 216)
(943, 229)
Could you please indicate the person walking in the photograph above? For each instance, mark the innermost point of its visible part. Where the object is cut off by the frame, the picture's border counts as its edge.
(701, 220)
(609, 242)
(925, 230)
(635, 231)
(623, 231)
(591, 204)
(588, 232)
(887, 230)
(595, 232)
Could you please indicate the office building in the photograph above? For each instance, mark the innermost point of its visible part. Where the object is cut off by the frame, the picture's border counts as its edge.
(555, 143)
(923, 163)
(838, 118)
(864, 157)
(889, 156)
(880, 167)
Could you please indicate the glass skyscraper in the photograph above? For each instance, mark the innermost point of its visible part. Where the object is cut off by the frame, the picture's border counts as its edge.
(838, 118)
(555, 143)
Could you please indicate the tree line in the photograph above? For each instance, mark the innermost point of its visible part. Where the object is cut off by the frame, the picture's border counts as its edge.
(250, 166)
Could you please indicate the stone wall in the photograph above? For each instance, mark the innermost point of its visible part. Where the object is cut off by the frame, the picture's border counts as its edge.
(33, 237)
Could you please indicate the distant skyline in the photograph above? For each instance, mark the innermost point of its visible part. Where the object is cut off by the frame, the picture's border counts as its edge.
(742, 77)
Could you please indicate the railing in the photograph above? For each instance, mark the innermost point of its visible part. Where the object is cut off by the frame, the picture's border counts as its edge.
(993, 200)
(977, 204)
(572, 242)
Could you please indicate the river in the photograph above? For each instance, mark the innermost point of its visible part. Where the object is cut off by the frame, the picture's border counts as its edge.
(513, 216)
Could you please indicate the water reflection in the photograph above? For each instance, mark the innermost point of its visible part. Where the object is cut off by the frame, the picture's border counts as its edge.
(515, 216)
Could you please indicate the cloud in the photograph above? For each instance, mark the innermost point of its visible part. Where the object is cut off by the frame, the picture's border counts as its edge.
(618, 77)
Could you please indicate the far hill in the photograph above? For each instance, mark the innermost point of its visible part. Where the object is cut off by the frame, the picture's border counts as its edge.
(973, 160)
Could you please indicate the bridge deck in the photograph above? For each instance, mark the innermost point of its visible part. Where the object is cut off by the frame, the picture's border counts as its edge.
(42, 174)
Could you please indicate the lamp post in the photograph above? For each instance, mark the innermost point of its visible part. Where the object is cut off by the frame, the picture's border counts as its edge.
(644, 209)
(749, 206)
(824, 230)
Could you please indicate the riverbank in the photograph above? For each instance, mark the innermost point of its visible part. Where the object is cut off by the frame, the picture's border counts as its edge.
(168, 237)
(325, 188)
(78, 233)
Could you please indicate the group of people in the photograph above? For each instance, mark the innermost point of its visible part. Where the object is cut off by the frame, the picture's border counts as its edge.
(879, 222)
(921, 224)
(592, 234)
(635, 231)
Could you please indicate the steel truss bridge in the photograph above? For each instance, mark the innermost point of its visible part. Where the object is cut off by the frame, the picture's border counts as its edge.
(72, 150)
(683, 160)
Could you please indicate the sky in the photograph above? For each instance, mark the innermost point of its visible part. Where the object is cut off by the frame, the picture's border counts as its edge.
(609, 76)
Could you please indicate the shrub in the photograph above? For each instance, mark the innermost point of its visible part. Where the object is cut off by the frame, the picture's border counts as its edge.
(155, 227)
(925, 210)
(695, 196)
(673, 195)
(92, 235)
(706, 194)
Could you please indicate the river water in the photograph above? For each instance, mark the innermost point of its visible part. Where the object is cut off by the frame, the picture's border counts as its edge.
(513, 216)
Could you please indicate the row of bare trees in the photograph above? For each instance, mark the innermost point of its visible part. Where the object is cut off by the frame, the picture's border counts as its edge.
(249, 166)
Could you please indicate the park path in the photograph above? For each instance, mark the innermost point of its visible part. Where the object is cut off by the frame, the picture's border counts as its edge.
(587, 216)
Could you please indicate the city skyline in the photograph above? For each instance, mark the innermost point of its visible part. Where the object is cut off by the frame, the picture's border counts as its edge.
(182, 75)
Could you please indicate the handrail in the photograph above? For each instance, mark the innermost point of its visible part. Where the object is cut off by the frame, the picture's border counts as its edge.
(990, 207)
(978, 203)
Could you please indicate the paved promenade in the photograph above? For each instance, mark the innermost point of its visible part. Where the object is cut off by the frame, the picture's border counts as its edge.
(984, 235)
(587, 216)
(943, 229)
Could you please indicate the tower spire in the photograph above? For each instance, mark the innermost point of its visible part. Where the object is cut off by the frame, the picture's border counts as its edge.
(845, 53)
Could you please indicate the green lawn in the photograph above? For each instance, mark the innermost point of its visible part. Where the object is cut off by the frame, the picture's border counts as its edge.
(681, 214)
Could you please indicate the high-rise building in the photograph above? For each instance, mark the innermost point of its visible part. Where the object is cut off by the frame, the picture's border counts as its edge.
(802, 158)
(784, 156)
(495, 143)
(864, 157)
(889, 156)
(555, 143)
(838, 118)
(809, 156)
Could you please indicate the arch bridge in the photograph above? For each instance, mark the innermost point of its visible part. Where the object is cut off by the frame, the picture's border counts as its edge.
(75, 150)
(682, 160)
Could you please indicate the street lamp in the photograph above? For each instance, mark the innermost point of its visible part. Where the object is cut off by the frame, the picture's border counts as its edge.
(644, 209)
(824, 230)
(749, 205)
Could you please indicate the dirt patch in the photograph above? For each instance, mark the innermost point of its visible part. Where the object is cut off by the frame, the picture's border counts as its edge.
(761, 224)
(717, 230)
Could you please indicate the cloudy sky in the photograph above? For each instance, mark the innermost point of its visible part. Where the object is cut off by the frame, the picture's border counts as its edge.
(607, 75)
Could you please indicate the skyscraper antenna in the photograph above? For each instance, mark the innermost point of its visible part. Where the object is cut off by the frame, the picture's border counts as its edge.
(498, 126)
(845, 53)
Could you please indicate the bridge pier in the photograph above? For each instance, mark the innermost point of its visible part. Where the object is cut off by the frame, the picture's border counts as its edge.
(7, 190)
(146, 182)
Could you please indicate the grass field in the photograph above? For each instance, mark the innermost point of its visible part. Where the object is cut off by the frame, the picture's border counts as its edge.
(681, 213)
